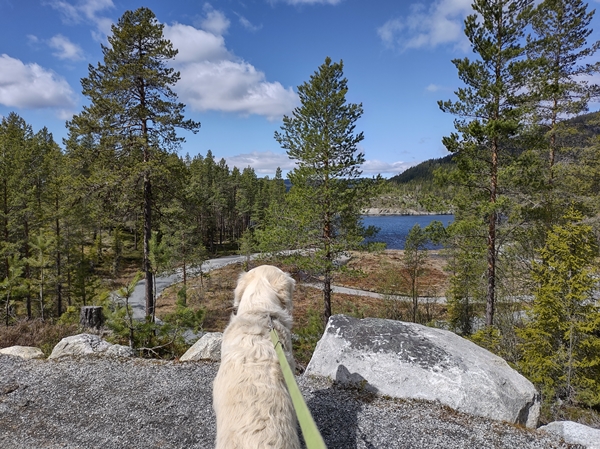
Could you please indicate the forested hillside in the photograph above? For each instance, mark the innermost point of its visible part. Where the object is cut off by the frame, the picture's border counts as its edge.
(415, 191)
(71, 218)
(423, 172)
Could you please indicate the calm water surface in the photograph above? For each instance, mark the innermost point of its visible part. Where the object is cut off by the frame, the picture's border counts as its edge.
(394, 228)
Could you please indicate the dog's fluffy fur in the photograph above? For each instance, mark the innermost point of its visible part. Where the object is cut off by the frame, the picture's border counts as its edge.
(251, 401)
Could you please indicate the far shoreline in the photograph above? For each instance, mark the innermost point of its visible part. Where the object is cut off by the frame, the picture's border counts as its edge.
(374, 212)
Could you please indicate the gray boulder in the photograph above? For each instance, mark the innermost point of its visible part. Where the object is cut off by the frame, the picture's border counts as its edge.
(575, 433)
(25, 352)
(407, 360)
(207, 348)
(88, 344)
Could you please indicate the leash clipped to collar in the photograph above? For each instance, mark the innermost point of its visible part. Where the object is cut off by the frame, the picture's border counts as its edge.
(312, 436)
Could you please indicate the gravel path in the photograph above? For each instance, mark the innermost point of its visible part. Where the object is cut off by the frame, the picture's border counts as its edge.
(108, 403)
(137, 301)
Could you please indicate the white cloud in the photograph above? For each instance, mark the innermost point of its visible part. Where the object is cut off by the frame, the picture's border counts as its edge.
(233, 86)
(213, 78)
(65, 48)
(263, 162)
(30, 86)
(388, 31)
(433, 88)
(195, 45)
(91, 8)
(427, 27)
(312, 2)
(86, 11)
(248, 25)
(215, 21)
(375, 167)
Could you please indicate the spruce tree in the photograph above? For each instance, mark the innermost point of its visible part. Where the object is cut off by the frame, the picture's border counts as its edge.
(133, 111)
(561, 339)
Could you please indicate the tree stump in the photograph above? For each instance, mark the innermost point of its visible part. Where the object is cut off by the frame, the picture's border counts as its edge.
(91, 317)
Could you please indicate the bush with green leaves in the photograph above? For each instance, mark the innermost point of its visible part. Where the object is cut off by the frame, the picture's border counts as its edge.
(561, 340)
(306, 338)
(148, 338)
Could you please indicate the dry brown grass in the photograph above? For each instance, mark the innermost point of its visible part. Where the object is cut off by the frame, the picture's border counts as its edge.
(42, 334)
(213, 292)
(379, 272)
(383, 272)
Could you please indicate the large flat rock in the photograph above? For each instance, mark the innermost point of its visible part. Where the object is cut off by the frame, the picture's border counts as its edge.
(208, 347)
(575, 433)
(88, 344)
(407, 360)
(25, 352)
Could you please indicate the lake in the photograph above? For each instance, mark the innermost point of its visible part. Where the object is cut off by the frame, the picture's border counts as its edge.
(395, 228)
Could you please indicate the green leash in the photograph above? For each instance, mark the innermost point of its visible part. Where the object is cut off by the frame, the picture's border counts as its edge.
(312, 436)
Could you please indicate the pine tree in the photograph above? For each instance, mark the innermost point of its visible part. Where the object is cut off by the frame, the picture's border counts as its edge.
(133, 111)
(490, 108)
(415, 256)
(11, 283)
(561, 339)
(560, 81)
(322, 209)
(16, 195)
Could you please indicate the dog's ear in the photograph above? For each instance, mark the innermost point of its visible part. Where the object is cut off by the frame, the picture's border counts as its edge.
(283, 284)
(239, 290)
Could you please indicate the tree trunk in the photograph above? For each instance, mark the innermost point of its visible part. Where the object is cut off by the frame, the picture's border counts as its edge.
(58, 266)
(91, 317)
(6, 231)
(326, 298)
(27, 270)
(491, 241)
(147, 208)
(69, 268)
(149, 281)
(7, 307)
(42, 289)
(415, 296)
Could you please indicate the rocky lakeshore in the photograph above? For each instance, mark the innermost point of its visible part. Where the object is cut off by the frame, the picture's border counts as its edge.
(93, 402)
(374, 211)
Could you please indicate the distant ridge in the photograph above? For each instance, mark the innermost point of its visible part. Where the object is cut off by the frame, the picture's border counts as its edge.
(422, 171)
(586, 126)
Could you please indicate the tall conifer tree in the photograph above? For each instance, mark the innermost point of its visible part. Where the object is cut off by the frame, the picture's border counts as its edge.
(489, 110)
(133, 110)
(560, 80)
(322, 211)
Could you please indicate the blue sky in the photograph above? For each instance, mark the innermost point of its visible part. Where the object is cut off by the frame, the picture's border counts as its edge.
(240, 64)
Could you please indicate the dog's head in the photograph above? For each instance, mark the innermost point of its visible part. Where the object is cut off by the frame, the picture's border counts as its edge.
(264, 288)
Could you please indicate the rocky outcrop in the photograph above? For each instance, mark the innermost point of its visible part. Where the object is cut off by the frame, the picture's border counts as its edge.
(575, 433)
(207, 348)
(88, 344)
(25, 352)
(407, 360)
(398, 211)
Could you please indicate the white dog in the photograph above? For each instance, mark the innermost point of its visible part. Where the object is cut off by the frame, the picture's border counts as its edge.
(251, 401)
